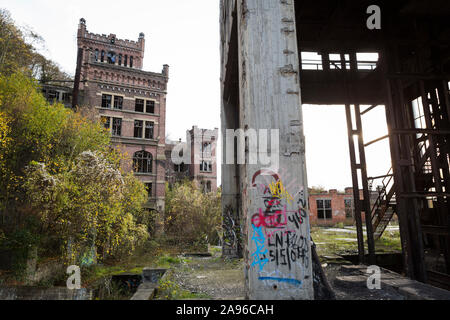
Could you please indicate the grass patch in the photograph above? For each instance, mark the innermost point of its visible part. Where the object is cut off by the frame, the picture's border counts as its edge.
(166, 261)
(170, 290)
(331, 243)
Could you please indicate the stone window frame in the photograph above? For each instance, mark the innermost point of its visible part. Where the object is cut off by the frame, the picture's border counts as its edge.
(145, 121)
(146, 106)
(148, 167)
(114, 101)
(136, 104)
(140, 127)
(112, 126)
(103, 104)
(145, 99)
(208, 168)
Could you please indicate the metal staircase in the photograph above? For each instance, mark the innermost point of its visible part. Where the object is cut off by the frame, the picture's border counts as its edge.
(385, 206)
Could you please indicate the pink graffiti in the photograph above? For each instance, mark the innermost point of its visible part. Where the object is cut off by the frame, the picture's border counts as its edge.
(276, 220)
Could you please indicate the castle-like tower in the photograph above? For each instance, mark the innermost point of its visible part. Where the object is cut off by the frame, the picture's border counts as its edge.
(131, 103)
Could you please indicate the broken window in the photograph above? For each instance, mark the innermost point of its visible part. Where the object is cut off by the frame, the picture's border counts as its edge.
(138, 128)
(149, 130)
(106, 122)
(111, 57)
(139, 105)
(149, 187)
(349, 208)
(336, 61)
(324, 211)
(143, 162)
(118, 102)
(150, 106)
(206, 149)
(117, 127)
(106, 101)
(206, 166)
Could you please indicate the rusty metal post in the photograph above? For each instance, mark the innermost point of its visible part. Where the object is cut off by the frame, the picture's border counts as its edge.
(356, 194)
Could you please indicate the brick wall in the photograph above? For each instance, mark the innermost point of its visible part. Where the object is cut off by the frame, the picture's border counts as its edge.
(337, 207)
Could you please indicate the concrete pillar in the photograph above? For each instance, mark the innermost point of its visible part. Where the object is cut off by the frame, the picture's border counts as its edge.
(277, 248)
(232, 234)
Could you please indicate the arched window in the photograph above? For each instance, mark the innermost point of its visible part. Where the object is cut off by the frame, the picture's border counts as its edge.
(120, 59)
(102, 59)
(131, 61)
(125, 61)
(96, 54)
(143, 162)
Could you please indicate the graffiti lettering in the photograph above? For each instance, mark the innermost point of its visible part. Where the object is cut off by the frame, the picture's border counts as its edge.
(260, 256)
(286, 249)
(278, 191)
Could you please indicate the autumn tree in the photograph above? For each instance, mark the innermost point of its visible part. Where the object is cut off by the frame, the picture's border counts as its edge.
(62, 185)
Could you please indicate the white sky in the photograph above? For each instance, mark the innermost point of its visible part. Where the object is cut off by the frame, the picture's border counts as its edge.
(185, 35)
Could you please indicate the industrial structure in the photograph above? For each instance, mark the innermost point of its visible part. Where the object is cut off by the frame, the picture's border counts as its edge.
(277, 55)
(131, 103)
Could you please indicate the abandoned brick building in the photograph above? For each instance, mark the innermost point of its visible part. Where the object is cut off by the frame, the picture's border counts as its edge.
(131, 103)
(200, 161)
(57, 93)
(332, 207)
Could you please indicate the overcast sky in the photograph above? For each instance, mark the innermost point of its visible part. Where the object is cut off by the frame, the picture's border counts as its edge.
(185, 35)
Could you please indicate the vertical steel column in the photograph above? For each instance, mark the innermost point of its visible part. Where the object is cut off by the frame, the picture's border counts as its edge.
(356, 194)
(365, 183)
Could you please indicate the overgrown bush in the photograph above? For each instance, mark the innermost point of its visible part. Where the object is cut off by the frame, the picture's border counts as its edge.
(61, 184)
(192, 214)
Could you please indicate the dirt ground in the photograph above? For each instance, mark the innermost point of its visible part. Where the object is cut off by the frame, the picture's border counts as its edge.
(220, 279)
(214, 278)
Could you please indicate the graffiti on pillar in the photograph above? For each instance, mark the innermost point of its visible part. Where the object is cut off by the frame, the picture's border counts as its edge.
(259, 257)
(230, 238)
(277, 238)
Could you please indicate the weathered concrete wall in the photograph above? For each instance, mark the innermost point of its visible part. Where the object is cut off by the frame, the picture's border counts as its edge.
(273, 199)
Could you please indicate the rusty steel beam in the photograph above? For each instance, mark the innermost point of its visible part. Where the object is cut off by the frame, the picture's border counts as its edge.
(356, 194)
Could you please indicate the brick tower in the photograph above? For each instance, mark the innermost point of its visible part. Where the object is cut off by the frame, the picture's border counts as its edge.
(131, 103)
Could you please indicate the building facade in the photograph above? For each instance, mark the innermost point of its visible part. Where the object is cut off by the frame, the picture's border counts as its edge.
(131, 103)
(332, 207)
(197, 159)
